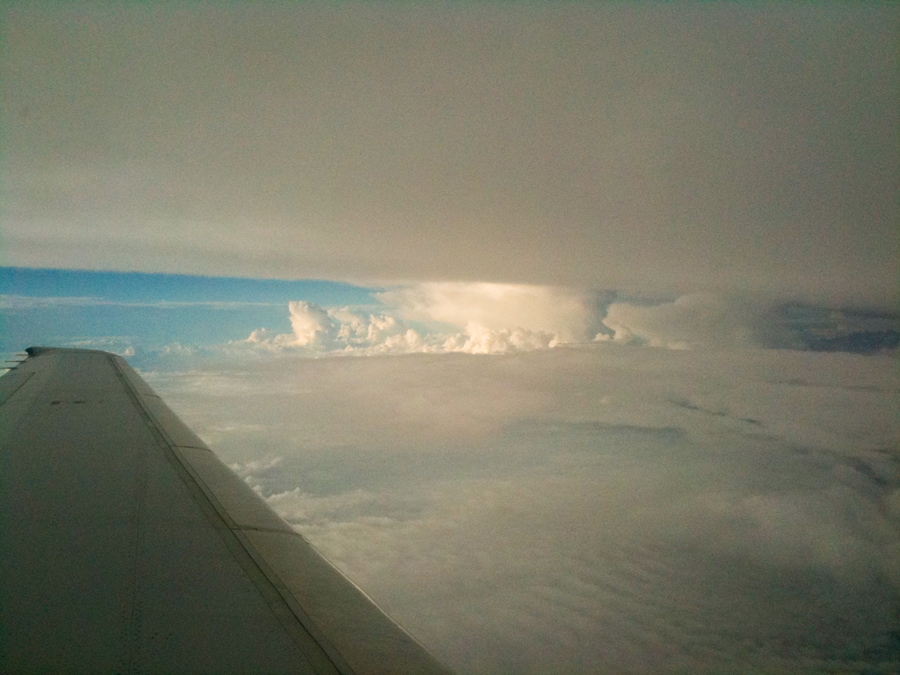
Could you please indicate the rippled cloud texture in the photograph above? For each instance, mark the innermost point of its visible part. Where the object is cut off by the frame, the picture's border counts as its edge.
(705, 505)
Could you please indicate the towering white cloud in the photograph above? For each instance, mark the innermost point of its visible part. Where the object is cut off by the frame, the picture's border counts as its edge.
(562, 313)
(312, 325)
(319, 330)
(473, 318)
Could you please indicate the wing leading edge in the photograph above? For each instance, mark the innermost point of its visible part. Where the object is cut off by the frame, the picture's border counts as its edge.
(127, 546)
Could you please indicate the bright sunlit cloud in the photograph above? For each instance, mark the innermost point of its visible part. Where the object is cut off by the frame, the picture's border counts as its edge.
(482, 318)
(476, 318)
(564, 313)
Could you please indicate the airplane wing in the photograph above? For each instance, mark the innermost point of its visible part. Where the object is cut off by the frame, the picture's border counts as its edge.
(127, 546)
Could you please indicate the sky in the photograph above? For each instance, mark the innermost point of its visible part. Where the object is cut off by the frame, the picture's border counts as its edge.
(569, 331)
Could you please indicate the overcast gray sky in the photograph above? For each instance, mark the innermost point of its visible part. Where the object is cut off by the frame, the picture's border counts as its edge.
(685, 147)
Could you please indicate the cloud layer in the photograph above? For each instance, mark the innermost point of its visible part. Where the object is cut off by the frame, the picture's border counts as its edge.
(589, 508)
(658, 146)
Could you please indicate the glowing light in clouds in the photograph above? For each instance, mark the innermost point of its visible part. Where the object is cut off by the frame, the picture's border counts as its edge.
(561, 312)
(489, 318)
(477, 318)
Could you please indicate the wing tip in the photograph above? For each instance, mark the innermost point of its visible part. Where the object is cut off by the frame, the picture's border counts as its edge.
(36, 351)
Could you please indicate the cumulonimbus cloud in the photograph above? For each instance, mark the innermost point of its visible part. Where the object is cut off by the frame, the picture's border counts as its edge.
(563, 313)
(487, 318)
(474, 318)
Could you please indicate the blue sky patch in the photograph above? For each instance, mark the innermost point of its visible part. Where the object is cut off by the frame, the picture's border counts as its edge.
(68, 307)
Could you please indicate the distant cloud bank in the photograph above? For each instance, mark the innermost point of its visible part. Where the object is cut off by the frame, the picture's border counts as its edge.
(486, 318)
(166, 322)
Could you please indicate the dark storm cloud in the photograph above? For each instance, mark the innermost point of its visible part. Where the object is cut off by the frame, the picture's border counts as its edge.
(634, 145)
